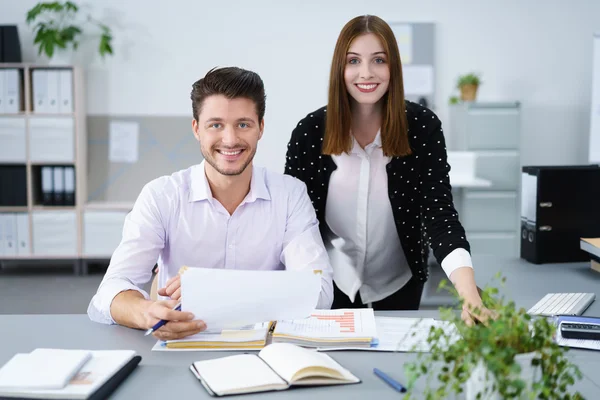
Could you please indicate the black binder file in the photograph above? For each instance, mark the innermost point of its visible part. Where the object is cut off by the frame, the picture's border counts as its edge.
(559, 206)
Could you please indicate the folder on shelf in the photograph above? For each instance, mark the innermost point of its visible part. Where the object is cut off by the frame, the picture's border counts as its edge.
(9, 222)
(58, 174)
(69, 199)
(52, 91)
(47, 186)
(1, 237)
(23, 247)
(65, 91)
(39, 78)
(2, 99)
(12, 91)
(13, 189)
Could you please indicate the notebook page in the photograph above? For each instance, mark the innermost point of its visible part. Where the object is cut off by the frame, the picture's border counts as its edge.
(100, 368)
(268, 295)
(287, 359)
(237, 372)
(342, 323)
(43, 369)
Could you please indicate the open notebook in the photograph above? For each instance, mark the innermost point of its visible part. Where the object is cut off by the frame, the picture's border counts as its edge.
(324, 328)
(276, 367)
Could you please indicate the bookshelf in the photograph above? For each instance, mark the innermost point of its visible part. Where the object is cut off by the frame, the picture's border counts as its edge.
(36, 135)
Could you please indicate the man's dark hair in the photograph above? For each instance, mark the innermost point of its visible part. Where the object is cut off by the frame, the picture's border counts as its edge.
(231, 82)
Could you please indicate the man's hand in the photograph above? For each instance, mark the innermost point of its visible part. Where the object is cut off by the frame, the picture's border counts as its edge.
(172, 288)
(181, 324)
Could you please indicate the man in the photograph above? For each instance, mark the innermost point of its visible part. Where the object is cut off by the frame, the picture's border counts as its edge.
(222, 213)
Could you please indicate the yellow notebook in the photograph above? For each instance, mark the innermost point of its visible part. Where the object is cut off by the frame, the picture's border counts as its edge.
(353, 328)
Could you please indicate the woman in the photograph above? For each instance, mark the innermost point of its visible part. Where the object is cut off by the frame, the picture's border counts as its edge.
(375, 168)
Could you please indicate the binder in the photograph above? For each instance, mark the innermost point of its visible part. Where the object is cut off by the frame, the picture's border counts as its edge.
(10, 45)
(12, 91)
(52, 85)
(39, 79)
(69, 186)
(10, 234)
(13, 186)
(47, 186)
(2, 100)
(559, 205)
(59, 186)
(22, 220)
(65, 91)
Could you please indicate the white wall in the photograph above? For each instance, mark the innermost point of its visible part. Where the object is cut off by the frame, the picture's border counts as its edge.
(537, 52)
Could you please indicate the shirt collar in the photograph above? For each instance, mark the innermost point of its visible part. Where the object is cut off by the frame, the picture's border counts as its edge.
(200, 189)
(356, 149)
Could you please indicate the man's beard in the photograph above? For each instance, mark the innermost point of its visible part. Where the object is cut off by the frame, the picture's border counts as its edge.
(213, 163)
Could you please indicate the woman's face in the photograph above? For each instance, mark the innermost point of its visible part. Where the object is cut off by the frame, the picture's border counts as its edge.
(367, 74)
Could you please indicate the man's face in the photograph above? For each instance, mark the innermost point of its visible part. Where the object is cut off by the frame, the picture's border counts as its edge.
(228, 131)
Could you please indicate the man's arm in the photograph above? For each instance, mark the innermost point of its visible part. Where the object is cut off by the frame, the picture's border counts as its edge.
(132, 262)
(303, 246)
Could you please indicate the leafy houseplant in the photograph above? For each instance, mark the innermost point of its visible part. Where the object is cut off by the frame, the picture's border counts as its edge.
(56, 27)
(497, 349)
(468, 85)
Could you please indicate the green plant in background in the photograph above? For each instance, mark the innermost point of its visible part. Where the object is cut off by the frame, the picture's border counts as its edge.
(495, 344)
(56, 27)
(468, 79)
(453, 100)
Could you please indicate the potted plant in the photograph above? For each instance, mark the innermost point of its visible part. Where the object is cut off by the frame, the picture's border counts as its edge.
(512, 356)
(58, 31)
(468, 85)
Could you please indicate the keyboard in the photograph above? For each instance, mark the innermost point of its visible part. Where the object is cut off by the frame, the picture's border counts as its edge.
(562, 304)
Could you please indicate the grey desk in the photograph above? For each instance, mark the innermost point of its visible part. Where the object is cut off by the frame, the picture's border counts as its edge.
(166, 375)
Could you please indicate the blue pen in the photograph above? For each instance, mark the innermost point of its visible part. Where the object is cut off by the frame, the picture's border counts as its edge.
(389, 380)
(161, 322)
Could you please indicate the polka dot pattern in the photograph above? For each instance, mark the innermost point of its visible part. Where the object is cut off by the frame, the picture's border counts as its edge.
(424, 214)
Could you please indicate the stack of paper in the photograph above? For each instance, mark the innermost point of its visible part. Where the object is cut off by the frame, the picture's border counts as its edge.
(247, 338)
(330, 328)
(61, 374)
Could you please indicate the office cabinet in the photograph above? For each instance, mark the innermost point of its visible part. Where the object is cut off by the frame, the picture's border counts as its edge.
(55, 233)
(490, 215)
(102, 232)
(52, 140)
(12, 140)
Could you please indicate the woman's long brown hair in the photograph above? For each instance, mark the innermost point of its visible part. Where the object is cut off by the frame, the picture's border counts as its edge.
(394, 129)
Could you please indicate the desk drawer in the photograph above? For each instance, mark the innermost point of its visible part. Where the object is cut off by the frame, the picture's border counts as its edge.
(498, 244)
(489, 211)
(502, 168)
(102, 232)
(54, 233)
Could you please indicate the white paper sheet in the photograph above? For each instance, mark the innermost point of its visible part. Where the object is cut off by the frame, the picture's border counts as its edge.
(123, 144)
(404, 37)
(345, 323)
(396, 334)
(227, 299)
(418, 79)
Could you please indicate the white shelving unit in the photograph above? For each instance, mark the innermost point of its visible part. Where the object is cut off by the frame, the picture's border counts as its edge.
(49, 226)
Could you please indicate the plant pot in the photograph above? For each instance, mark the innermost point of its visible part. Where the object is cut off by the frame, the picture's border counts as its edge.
(62, 57)
(468, 92)
(482, 381)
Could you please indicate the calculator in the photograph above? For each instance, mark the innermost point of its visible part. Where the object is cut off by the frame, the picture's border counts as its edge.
(579, 330)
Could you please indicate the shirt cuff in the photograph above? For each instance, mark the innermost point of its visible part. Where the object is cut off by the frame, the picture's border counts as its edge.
(456, 259)
(99, 308)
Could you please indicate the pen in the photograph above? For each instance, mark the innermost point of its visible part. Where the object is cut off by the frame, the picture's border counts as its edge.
(389, 380)
(161, 322)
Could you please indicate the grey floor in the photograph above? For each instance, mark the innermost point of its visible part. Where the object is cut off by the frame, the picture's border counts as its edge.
(54, 289)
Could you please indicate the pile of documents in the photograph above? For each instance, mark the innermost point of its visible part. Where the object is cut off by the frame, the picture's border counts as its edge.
(60, 373)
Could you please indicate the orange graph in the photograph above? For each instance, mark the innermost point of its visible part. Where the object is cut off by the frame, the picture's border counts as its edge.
(345, 320)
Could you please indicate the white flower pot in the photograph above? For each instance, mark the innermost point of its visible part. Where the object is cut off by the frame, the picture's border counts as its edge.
(482, 381)
(62, 57)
